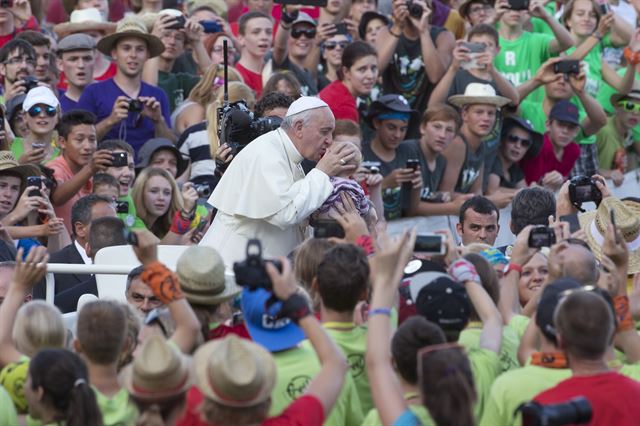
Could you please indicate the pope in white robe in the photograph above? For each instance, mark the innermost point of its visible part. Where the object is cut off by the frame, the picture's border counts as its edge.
(264, 192)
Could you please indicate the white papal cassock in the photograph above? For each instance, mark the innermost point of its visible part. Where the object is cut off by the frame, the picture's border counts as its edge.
(265, 194)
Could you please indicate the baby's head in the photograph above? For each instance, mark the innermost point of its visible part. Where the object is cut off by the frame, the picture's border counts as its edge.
(354, 161)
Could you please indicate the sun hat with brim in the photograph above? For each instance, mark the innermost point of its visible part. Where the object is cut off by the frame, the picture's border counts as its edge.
(200, 270)
(264, 323)
(536, 138)
(391, 106)
(158, 372)
(464, 7)
(627, 213)
(235, 372)
(131, 26)
(152, 146)
(9, 166)
(368, 17)
(81, 21)
(219, 7)
(478, 93)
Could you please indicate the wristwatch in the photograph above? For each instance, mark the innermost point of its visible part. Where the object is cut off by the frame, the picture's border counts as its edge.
(513, 267)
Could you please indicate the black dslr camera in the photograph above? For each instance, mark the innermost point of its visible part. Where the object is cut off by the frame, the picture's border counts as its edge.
(583, 189)
(415, 9)
(542, 236)
(30, 82)
(575, 411)
(251, 272)
(135, 105)
(237, 125)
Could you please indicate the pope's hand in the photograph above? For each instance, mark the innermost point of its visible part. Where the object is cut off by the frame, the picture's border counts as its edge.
(335, 161)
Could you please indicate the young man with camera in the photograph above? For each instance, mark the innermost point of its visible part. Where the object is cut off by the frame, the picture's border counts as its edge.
(79, 161)
(125, 106)
(17, 61)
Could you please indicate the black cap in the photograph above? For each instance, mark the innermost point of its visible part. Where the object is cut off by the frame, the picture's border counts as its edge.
(445, 302)
(537, 138)
(389, 104)
(368, 17)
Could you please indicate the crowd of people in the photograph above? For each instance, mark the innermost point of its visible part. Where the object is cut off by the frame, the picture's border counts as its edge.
(275, 143)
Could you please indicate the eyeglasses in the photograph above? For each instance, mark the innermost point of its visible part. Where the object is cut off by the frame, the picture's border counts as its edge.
(480, 8)
(330, 45)
(307, 32)
(21, 59)
(35, 111)
(220, 49)
(630, 106)
(515, 139)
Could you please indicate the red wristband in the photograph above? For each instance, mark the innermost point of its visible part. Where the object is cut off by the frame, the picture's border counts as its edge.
(366, 242)
(179, 225)
(513, 267)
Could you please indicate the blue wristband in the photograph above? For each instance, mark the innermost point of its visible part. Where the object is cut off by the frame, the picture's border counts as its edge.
(380, 311)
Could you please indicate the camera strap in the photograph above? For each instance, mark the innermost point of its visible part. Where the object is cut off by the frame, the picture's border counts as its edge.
(578, 206)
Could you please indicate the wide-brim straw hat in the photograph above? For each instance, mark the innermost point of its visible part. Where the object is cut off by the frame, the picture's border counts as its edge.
(478, 93)
(82, 21)
(235, 372)
(200, 270)
(159, 372)
(9, 165)
(627, 213)
(131, 26)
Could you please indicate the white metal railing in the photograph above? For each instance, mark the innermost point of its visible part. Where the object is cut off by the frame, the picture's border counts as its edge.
(71, 268)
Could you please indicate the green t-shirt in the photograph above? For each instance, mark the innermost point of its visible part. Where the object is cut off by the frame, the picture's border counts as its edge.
(8, 415)
(519, 59)
(604, 99)
(470, 338)
(515, 387)
(608, 141)
(130, 218)
(177, 86)
(540, 26)
(421, 412)
(485, 366)
(295, 369)
(17, 149)
(12, 378)
(353, 342)
(533, 111)
(117, 410)
(632, 371)
(519, 323)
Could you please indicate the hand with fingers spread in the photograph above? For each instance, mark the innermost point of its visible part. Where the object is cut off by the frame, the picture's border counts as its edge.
(31, 270)
(348, 217)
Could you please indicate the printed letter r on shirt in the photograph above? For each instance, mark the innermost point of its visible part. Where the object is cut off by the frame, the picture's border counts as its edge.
(510, 59)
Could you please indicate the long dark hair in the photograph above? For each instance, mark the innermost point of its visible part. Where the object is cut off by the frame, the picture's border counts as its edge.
(446, 385)
(65, 381)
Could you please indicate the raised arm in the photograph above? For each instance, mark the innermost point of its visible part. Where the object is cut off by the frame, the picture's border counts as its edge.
(386, 272)
(25, 275)
(388, 37)
(441, 90)
(596, 117)
(562, 40)
(544, 75)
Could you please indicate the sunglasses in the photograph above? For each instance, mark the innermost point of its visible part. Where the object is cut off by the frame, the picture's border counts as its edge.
(515, 139)
(307, 32)
(333, 44)
(35, 111)
(629, 106)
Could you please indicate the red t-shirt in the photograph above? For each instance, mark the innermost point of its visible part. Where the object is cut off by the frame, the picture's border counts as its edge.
(535, 168)
(31, 24)
(613, 397)
(304, 411)
(342, 103)
(110, 72)
(251, 79)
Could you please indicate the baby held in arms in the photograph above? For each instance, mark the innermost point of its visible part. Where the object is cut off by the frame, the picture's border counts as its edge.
(345, 183)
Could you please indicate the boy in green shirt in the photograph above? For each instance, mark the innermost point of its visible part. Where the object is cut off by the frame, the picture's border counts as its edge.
(522, 52)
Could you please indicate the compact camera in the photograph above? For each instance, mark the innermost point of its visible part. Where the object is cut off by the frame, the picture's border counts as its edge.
(30, 82)
(567, 66)
(415, 9)
(179, 23)
(119, 159)
(135, 105)
(204, 190)
(542, 236)
(251, 272)
(432, 244)
(122, 207)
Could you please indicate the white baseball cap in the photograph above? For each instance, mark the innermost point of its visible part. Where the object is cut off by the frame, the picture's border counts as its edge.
(40, 95)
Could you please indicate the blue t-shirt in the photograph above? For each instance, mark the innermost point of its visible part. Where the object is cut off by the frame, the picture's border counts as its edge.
(408, 418)
(66, 103)
(136, 129)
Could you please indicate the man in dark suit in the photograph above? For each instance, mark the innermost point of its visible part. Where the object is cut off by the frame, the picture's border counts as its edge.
(104, 232)
(83, 212)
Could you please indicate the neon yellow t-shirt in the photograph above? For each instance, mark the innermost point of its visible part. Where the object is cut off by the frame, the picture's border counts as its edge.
(515, 387)
(353, 342)
(117, 410)
(17, 148)
(470, 338)
(485, 366)
(519, 323)
(12, 378)
(8, 415)
(295, 369)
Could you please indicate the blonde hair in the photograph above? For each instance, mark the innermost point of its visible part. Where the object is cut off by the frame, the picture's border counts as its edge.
(204, 92)
(134, 325)
(38, 325)
(162, 224)
(237, 92)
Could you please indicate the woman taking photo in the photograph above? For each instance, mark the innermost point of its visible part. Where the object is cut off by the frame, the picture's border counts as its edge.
(58, 390)
(167, 213)
(357, 77)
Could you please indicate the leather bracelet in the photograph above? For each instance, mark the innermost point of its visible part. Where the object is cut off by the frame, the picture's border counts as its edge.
(295, 308)
(394, 34)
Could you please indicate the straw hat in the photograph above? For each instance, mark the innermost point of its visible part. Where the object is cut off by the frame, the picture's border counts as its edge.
(478, 93)
(158, 372)
(200, 270)
(131, 26)
(235, 372)
(594, 223)
(9, 165)
(84, 20)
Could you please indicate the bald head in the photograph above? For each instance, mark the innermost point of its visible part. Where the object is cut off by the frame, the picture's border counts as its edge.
(580, 264)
